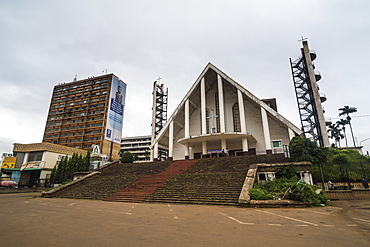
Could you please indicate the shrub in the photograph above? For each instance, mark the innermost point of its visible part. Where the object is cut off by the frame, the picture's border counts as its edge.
(287, 171)
(260, 194)
(127, 157)
(297, 190)
(279, 185)
(308, 193)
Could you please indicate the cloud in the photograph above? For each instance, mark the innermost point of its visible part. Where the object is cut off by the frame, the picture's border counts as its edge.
(44, 43)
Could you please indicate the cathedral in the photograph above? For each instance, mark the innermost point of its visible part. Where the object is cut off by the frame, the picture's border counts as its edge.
(218, 117)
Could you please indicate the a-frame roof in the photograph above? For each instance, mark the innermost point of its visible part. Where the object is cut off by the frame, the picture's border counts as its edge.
(248, 94)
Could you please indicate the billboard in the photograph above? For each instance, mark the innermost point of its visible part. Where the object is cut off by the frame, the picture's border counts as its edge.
(113, 130)
(9, 162)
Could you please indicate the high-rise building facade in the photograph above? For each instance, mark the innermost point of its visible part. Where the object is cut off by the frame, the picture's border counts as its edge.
(87, 112)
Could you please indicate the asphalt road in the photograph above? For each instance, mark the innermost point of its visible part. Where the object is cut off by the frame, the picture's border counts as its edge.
(29, 220)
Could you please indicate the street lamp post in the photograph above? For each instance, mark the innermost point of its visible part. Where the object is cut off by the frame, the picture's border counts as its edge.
(364, 141)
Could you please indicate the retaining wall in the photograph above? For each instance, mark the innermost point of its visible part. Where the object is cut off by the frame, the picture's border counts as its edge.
(354, 194)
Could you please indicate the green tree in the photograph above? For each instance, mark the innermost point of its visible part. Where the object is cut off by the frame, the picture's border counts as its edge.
(66, 167)
(127, 157)
(334, 133)
(345, 111)
(286, 171)
(303, 149)
(343, 122)
(86, 161)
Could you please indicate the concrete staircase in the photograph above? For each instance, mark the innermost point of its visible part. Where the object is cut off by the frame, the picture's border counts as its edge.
(210, 181)
(142, 188)
(216, 189)
(111, 180)
(205, 181)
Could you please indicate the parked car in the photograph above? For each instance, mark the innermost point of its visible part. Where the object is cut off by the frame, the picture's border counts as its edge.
(8, 183)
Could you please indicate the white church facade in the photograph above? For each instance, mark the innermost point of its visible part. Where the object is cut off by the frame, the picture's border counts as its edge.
(218, 116)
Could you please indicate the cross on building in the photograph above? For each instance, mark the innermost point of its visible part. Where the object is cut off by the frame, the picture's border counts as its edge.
(302, 39)
(159, 79)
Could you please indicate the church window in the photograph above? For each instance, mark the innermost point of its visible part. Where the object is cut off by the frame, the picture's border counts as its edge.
(207, 121)
(217, 106)
(236, 118)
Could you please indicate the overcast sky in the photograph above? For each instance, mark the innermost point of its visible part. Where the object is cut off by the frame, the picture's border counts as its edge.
(44, 43)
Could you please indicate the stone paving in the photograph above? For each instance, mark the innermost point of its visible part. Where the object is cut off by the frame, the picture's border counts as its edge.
(29, 220)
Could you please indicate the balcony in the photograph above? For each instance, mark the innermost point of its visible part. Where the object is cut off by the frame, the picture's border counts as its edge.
(328, 121)
(322, 97)
(312, 55)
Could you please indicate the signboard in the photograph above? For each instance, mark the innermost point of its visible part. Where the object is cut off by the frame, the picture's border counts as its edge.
(9, 162)
(16, 175)
(95, 149)
(33, 164)
(113, 131)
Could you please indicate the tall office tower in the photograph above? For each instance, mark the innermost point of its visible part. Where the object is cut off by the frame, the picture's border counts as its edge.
(309, 99)
(86, 113)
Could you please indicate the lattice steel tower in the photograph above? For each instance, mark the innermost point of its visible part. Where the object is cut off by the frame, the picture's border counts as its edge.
(308, 97)
(159, 113)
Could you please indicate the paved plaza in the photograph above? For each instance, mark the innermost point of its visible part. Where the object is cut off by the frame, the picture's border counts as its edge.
(29, 220)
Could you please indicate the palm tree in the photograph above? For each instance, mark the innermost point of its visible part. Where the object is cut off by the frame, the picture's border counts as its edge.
(343, 122)
(335, 133)
(346, 110)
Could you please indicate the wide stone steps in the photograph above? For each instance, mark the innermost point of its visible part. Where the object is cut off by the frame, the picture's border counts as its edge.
(145, 186)
(111, 180)
(222, 188)
(205, 181)
(197, 201)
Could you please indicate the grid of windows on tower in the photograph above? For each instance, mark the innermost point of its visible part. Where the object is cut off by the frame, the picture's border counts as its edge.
(77, 112)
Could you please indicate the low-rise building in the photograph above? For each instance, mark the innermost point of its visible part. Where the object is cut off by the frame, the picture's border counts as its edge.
(34, 162)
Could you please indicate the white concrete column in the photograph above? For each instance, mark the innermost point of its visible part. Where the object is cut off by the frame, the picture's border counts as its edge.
(223, 144)
(245, 144)
(43, 159)
(155, 151)
(152, 155)
(170, 141)
(291, 134)
(266, 130)
(43, 156)
(187, 119)
(191, 153)
(25, 158)
(221, 104)
(204, 147)
(186, 150)
(203, 106)
(242, 112)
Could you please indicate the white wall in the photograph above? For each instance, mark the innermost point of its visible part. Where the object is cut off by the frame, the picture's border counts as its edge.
(254, 125)
(50, 159)
(278, 131)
